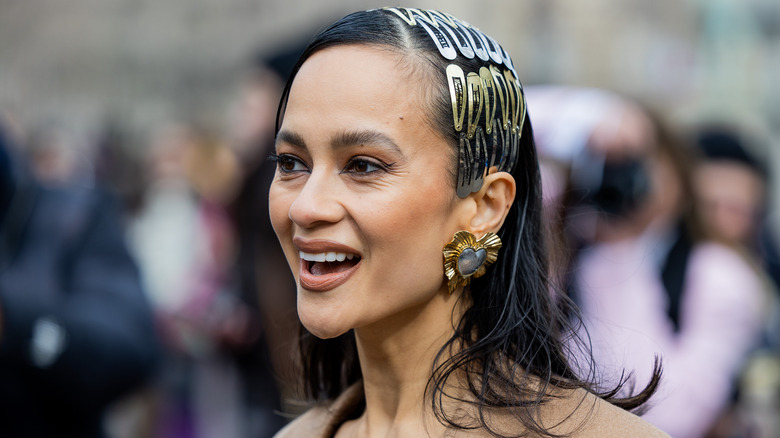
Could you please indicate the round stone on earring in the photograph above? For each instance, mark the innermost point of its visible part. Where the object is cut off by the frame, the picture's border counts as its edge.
(470, 261)
(465, 257)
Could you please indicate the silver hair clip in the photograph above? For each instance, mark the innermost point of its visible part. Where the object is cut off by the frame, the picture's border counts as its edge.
(479, 164)
(476, 42)
(443, 43)
(492, 47)
(463, 187)
(457, 36)
(475, 96)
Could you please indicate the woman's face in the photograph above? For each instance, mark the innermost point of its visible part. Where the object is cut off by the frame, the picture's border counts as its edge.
(363, 179)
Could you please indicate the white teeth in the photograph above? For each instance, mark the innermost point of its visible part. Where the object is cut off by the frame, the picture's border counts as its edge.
(325, 256)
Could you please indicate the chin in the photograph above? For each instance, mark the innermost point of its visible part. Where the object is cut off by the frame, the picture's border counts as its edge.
(322, 323)
(325, 332)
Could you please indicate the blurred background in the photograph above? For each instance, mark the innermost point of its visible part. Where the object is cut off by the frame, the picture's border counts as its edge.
(170, 105)
(137, 65)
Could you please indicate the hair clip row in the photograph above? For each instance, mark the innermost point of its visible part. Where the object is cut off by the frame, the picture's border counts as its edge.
(450, 33)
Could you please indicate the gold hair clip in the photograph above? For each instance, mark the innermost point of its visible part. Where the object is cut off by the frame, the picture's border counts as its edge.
(457, 82)
(489, 97)
(406, 14)
(444, 18)
(503, 99)
(475, 103)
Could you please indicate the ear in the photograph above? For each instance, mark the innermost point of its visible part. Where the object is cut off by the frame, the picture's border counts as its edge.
(492, 203)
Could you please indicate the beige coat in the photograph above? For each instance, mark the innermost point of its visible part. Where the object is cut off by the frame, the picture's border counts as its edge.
(589, 417)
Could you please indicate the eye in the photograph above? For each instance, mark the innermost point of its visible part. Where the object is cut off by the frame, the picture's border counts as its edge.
(289, 163)
(363, 165)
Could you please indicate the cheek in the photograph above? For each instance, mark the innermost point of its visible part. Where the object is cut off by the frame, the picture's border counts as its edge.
(419, 229)
(278, 209)
(279, 202)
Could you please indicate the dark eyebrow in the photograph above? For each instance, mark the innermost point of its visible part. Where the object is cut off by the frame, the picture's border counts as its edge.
(343, 139)
(291, 138)
(351, 138)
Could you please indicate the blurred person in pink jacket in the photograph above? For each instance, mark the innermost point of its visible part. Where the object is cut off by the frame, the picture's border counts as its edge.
(649, 281)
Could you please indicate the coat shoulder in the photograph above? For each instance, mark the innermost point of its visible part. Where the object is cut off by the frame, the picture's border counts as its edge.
(592, 417)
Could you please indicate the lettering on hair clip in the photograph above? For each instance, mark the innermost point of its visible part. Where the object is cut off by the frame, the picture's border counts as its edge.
(443, 43)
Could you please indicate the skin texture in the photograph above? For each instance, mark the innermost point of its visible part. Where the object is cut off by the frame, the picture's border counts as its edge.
(360, 166)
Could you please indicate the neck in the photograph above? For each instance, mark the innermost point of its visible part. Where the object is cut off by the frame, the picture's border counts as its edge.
(397, 357)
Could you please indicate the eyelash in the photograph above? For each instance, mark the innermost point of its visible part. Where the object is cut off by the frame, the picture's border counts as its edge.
(282, 159)
(379, 165)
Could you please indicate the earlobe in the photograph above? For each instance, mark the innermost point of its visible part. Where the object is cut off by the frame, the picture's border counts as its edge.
(493, 202)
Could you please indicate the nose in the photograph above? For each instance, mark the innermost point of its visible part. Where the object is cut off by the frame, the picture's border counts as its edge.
(317, 203)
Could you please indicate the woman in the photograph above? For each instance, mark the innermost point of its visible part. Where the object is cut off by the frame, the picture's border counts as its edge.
(398, 130)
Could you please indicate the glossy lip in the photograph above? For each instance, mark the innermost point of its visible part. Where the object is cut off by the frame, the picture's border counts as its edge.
(323, 283)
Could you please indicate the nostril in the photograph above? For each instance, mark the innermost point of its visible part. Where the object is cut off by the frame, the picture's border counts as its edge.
(315, 205)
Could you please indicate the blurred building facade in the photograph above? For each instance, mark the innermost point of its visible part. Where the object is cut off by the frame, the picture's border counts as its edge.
(144, 62)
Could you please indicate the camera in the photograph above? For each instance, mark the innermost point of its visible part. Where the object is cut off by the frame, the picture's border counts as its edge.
(616, 187)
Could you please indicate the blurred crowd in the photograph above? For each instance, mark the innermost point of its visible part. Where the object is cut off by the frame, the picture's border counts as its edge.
(144, 295)
(661, 237)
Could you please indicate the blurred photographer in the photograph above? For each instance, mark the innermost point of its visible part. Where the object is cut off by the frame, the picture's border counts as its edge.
(648, 280)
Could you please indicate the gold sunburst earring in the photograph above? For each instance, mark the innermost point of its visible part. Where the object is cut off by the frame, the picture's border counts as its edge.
(465, 257)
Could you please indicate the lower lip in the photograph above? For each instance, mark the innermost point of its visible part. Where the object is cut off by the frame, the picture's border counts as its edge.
(324, 283)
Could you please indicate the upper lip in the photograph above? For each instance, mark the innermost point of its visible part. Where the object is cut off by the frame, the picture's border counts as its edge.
(322, 245)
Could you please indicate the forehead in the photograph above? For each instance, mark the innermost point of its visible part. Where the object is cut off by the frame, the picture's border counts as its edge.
(358, 86)
(368, 77)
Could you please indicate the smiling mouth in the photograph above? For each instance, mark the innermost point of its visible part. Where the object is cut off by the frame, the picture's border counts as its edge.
(329, 263)
(327, 270)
